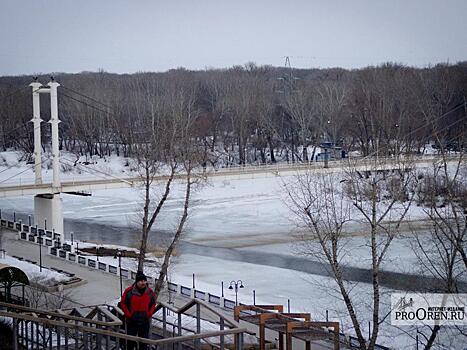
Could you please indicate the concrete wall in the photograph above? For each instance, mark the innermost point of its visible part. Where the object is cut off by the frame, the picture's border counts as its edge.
(49, 207)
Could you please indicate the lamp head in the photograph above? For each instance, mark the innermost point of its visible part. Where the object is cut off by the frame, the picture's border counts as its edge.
(230, 287)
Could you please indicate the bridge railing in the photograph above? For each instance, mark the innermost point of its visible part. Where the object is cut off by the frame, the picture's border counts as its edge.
(236, 169)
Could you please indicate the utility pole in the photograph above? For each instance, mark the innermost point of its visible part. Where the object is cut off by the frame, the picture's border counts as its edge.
(288, 87)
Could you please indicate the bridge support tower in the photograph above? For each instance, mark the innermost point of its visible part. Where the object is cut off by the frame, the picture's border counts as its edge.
(48, 211)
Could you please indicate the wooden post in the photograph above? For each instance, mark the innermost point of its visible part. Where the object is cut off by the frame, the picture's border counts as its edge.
(281, 341)
(288, 337)
(336, 336)
(262, 335)
(221, 337)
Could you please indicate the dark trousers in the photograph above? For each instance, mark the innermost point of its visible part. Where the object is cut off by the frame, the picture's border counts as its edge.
(140, 330)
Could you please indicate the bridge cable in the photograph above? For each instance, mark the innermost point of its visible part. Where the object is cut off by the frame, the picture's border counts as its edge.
(23, 171)
(85, 169)
(18, 127)
(434, 119)
(86, 96)
(14, 92)
(88, 105)
(21, 135)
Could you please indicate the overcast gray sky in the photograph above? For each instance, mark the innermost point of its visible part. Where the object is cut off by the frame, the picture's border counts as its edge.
(40, 36)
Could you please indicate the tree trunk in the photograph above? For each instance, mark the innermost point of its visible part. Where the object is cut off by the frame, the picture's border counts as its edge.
(241, 151)
(145, 231)
(165, 265)
(271, 150)
(148, 223)
(432, 338)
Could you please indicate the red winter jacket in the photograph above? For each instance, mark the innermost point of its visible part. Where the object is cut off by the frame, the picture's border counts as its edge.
(138, 307)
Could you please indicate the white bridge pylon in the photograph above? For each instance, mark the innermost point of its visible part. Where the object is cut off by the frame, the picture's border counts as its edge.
(48, 211)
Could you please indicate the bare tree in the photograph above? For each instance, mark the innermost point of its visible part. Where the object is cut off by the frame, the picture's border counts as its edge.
(326, 204)
(39, 298)
(301, 106)
(442, 191)
(167, 150)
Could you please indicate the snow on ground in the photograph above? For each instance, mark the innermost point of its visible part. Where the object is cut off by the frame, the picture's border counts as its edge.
(45, 277)
(307, 293)
(234, 213)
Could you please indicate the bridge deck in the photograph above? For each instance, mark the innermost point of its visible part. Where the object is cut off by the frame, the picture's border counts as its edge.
(68, 186)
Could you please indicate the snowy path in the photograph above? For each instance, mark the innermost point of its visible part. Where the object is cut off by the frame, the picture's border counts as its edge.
(100, 287)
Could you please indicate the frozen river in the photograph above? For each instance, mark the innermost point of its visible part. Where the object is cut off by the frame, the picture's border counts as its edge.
(241, 229)
(281, 255)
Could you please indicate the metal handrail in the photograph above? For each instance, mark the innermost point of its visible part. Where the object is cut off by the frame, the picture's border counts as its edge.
(103, 332)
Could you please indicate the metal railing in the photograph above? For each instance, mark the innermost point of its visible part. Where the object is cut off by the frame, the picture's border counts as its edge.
(233, 169)
(41, 329)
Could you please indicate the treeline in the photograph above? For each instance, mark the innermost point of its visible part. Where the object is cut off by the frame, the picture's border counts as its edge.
(249, 114)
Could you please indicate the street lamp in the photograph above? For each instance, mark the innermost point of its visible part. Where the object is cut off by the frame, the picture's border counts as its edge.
(118, 255)
(39, 240)
(235, 285)
(396, 126)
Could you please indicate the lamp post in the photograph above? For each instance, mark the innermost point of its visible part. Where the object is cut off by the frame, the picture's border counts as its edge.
(118, 255)
(236, 285)
(327, 144)
(40, 249)
(396, 126)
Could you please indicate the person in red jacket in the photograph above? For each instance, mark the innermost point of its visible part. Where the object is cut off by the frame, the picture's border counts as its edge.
(139, 304)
